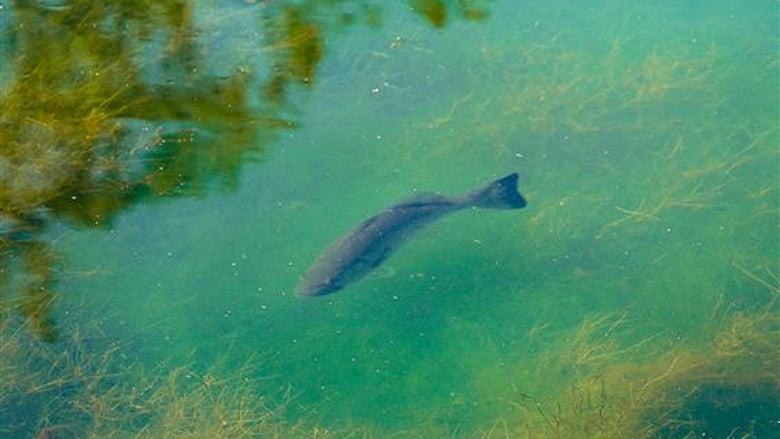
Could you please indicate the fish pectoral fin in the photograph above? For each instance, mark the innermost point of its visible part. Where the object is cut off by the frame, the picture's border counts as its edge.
(383, 272)
(374, 259)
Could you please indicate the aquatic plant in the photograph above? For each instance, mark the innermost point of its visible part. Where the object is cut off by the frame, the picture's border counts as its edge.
(728, 389)
(84, 386)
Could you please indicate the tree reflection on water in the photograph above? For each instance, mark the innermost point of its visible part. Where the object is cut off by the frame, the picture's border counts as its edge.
(106, 104)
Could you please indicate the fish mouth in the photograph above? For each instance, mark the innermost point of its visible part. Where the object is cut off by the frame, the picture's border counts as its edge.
(319, 289)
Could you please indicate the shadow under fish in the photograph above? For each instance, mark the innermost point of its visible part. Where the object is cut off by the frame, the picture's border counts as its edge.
(366, 246)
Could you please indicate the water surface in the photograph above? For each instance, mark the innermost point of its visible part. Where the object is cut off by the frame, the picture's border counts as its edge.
(239, 139)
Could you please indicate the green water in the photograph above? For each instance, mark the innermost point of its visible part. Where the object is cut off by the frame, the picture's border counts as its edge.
(646, 140)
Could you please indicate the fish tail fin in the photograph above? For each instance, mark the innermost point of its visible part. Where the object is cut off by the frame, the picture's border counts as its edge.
(500, 194)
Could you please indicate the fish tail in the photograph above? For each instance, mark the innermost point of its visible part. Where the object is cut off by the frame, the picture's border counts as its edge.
(500, 194)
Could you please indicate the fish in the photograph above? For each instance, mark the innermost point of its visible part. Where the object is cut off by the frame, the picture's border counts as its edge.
(367, 245)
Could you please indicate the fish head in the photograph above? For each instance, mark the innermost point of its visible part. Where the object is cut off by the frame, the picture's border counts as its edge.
(318, 286)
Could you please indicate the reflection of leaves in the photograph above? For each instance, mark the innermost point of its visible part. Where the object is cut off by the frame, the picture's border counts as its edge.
(63, 138)
(296, 37)
(433, 10)
(437, 11)
(305, 46)
(299, 51)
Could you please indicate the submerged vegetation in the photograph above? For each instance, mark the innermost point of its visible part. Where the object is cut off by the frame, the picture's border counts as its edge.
(639, 389)
(72, 391)
(730, 389)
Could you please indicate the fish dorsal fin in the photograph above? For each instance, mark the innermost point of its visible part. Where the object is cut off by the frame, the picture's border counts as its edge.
(417, 201)
(423, 198)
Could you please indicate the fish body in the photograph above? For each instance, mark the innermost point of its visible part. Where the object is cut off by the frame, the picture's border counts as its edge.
(368, 244)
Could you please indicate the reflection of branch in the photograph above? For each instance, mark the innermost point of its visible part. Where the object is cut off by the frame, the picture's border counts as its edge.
(37, 296)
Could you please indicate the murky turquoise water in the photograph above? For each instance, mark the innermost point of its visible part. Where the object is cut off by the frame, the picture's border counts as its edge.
(646, 139)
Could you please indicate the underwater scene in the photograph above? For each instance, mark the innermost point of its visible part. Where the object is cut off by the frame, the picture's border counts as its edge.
(170, 170)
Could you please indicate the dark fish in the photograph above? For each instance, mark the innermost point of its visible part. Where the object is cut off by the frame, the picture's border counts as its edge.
(366, 246)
